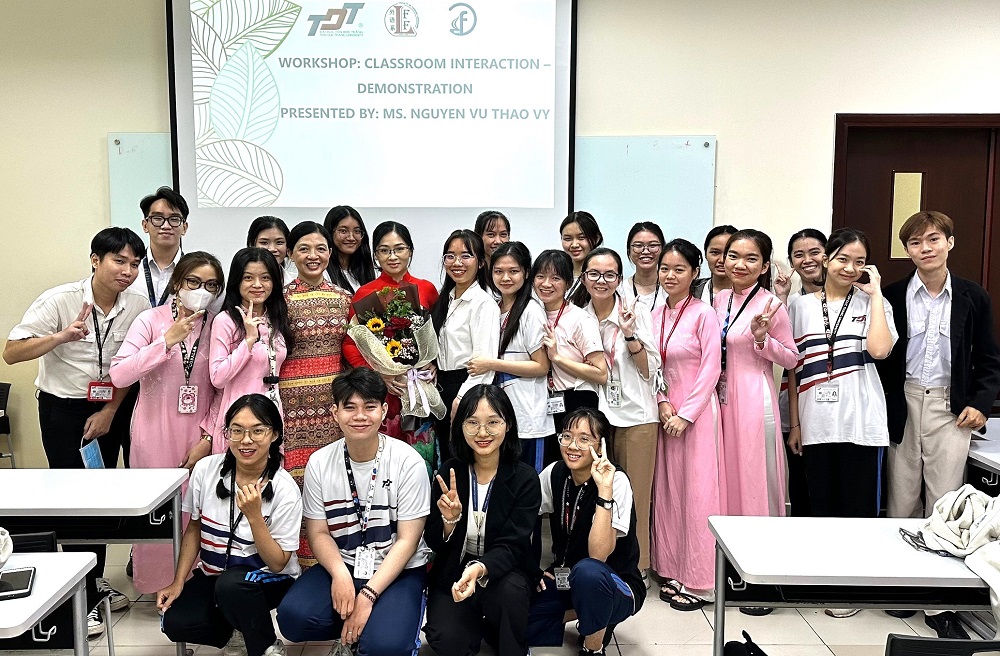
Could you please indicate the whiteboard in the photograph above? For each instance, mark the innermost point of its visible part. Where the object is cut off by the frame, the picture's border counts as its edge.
(138, 164)
(669, 180)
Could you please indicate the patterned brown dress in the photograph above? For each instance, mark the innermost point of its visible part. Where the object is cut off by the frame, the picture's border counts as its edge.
(318, 317)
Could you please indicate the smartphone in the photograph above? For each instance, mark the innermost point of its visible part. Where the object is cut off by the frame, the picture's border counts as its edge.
(16, 583)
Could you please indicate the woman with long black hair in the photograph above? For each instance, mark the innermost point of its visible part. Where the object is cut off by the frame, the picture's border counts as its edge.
(351, 263)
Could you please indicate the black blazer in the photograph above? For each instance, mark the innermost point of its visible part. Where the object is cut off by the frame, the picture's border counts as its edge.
(510, 521)
(975, 359)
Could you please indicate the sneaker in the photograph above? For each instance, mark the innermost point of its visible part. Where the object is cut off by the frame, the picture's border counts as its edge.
(277, 649)
(586, 652)
(842, 612)
(118, 600)
(237, 647)
(95, 625)
(645, 577)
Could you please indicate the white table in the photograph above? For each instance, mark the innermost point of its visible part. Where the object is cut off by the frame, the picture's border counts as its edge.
(985, 454)
(34, 494)
(810, 553)
(58, 576)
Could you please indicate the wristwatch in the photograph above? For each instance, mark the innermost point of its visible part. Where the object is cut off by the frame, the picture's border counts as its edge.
(631, 338)
(605, 503)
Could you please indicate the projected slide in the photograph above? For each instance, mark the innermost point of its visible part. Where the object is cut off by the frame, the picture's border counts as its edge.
(389, 104)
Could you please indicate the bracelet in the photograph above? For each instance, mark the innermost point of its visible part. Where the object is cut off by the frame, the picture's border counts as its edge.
(452, 522)
(760, 343)
(795, 426)
(635, 353)
(368, 592)
(207, 438)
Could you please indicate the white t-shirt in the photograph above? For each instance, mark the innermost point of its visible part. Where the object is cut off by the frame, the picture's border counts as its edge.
(577, 335)
(527, 395)
(629, 294)
(282, 514)
(402, 492)
(859, 416)
(621, 491)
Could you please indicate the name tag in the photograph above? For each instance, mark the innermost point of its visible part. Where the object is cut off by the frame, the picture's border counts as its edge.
(364, 563)
(720, 390)
(613, 393)
(98, 391)
(828, 393)
(562, 578)
(555, 404)
(187, 400)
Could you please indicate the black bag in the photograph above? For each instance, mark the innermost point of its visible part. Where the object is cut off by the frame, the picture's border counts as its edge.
(735, 648)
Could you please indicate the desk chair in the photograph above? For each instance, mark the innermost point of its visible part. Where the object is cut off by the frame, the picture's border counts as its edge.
(7, 452)
(46, 543)
(903, 645)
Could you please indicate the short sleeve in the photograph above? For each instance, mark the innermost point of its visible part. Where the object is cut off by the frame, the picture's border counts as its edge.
(545, 479)
(891, 321)
(286, 514)
(414, 496)
(587, 335)
(313, 506)
(621, 514)
(40, 319)
(532, 327)
(193, 498)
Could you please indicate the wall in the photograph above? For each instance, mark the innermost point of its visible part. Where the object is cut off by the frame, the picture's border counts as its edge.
(766, 78)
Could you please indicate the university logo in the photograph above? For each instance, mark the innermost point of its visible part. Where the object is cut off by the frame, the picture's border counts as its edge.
(402, 20)
(334, 19)
(465, 20)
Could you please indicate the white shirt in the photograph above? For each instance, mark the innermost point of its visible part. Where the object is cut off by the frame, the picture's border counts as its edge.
(160, 278)
(629, 294)
(527, 395)
(475, 527)
(928, 326)
(66, 370)
(472, 327)
(638, 398)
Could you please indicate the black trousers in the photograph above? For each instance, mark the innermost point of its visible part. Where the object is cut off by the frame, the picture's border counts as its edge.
(573, 399)
(844, 479)
(62, 423)
(449, 382)
(798, 489)
(210, 608)
(497, 612)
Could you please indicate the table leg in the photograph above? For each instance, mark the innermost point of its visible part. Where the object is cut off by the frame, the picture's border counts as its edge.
(80, 645)
(719, 637)
(178, 519)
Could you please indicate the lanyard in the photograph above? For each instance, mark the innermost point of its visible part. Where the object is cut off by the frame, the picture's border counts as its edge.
(551, 381)
(569, 520)
(475, 506)
(663, 319)
(101, 343)
(635, 292)
(272, 364)
(363, 516)
(831, 336)
(149, 286)
(188, 361)
(232, 509)
(727, 324)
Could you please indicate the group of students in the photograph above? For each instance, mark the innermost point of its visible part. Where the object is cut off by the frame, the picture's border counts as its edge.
(551, 368)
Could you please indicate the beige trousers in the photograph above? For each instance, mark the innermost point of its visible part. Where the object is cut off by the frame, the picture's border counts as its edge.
(634, 449)
(931, 456)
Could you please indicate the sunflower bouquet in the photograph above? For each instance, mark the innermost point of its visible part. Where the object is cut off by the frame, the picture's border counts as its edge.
(396, 337)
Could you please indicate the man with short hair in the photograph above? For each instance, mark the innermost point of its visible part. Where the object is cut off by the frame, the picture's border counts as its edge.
(365, 500)
(164, 219)
(74, 330)
(940, 380)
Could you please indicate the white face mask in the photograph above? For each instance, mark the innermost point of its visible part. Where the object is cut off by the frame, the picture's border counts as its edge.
(196, 299)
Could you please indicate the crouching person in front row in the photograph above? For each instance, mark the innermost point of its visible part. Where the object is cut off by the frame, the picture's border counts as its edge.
(365, 501)
(245, 517)
(595, 576)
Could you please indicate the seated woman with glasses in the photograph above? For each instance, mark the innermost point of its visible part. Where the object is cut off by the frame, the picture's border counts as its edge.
(480, 529)
(467, 320)
(251, 336)
(171, 425)
(595, 574)
(245, 516)
(645, 240)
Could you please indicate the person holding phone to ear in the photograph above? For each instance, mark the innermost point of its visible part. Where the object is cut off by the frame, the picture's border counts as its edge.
(251, 336)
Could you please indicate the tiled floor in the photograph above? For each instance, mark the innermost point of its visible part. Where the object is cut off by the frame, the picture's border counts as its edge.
(656, 630)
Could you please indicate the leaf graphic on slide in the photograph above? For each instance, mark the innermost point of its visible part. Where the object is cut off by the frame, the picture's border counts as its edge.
(234, 173)
(201, 7)
(264, 23)
(208, 55)
(203, 132)
(244, 98)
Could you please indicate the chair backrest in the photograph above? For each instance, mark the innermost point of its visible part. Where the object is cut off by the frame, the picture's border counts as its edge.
(44, 542)
(5, 419)
(904, 645)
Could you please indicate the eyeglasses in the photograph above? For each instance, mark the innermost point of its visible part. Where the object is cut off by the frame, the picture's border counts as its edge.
(652, 247)
(493, 427)
(344, 232)
(582, 441)
(464, 258)
(398, 251)
(607, 276)
(916, 540)
(257, 434)
(195, 283)
(175, 220)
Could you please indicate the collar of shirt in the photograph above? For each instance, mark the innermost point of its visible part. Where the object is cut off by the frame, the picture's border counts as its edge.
(153, 265)
(613, 317)
(916, 285)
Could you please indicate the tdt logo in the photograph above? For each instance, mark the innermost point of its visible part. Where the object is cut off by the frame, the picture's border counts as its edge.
(335, 18)
(402, 20)
(465, 22)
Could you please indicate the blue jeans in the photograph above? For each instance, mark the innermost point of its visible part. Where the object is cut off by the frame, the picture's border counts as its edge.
(393, 629)
(601, 600)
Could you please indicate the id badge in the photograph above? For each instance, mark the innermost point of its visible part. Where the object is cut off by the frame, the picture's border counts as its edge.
(364, 563)
(555, 404)
(613, 393)
(100, 391)
(828, 393)
(187, 400)
(562, 578)
(720, 389)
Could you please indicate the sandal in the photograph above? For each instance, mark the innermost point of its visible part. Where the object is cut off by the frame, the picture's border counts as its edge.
(670, 588)
(685, 602)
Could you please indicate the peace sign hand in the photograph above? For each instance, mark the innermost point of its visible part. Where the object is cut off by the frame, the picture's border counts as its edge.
(181, 328)
(449, 503)
(761, 324)
(601, 470)
(250, 324)
(782, 283)
(550, 344)
(78, 329)
(874, 285)
(626, 320)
